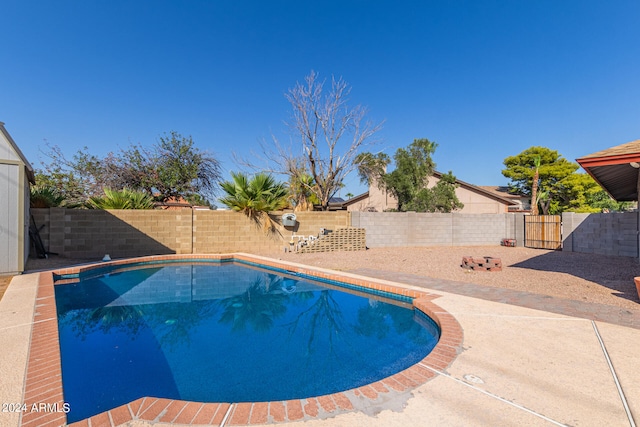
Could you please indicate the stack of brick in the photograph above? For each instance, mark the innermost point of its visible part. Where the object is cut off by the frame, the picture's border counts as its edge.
(481, 263)
(508, 242)
(342, 239)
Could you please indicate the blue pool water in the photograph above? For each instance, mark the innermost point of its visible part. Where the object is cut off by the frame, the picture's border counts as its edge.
(225, 333)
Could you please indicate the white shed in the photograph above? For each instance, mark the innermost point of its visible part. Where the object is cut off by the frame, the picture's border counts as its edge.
(16, 174)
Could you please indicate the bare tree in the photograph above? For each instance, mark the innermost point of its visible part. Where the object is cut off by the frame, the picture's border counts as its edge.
(330, 136)
(331, 133)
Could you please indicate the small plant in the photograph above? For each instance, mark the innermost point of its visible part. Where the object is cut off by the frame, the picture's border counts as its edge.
(123, 199)
(45, 197)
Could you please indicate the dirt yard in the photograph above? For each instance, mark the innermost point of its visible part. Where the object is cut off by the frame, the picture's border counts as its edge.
(577, 276)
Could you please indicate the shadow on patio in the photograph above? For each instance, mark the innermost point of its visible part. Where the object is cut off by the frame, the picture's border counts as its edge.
(613, 272)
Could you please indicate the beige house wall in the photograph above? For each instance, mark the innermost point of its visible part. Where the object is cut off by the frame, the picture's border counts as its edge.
(474, 202)
(378, 201)
(81, 233)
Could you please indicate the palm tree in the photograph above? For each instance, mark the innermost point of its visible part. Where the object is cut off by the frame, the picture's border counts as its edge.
(302, 192)
(534, 186)
(255, 197)
(544, 201)
(123, 199)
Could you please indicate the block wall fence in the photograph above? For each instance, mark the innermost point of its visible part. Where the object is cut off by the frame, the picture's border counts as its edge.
(82, 233)
(385, 229)
(79, 233)
(614, 233)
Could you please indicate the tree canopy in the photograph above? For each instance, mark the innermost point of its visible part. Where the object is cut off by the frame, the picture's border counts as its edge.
(408, 182)
(171, 168)
(552, 170)
(371, 167)
(560, 187)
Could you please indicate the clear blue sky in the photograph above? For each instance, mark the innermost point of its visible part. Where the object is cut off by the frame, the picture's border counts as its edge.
(484, 79)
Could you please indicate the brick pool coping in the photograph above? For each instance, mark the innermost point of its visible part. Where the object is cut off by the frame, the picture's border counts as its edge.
(43, 383)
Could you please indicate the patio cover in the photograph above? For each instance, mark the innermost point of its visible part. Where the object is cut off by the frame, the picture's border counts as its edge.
(616, 169)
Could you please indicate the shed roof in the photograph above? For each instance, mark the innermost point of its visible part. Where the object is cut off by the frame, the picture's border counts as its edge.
(16, 149)
(616, 169)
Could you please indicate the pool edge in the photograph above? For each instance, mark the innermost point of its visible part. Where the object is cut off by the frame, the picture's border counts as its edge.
(43, 381)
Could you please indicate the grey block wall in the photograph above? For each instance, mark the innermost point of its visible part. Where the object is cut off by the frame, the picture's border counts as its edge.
(613, 233)
(484, 229)
(385, 229)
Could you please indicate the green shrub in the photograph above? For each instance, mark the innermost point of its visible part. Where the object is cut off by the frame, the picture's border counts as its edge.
(45, 197)
(123, 199)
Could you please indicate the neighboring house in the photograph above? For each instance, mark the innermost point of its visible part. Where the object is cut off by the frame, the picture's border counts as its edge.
(374, 200)
(476, 199)
(335, 204)
(521, 203)
(16, 175)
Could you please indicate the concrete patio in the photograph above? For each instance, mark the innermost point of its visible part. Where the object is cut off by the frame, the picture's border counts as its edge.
(519, 366)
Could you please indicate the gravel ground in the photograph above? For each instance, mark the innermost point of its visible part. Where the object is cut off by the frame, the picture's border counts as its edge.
(577, 276)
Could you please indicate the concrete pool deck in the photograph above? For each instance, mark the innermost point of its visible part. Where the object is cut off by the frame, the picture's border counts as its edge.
(518, 366)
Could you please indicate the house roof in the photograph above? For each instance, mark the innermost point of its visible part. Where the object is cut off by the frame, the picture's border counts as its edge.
(490, 192)
(503, 191)
(16, 149)
(480, 190)
(356, 199)
(612, 169)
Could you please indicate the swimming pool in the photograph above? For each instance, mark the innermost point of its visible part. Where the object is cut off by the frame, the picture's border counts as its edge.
(226, 332)
(45, 351)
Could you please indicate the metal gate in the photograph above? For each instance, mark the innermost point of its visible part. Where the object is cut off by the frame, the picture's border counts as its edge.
(543, 231)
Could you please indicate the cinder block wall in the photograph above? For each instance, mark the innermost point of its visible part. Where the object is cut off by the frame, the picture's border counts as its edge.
(486, 229)
(89, 234)
(386, 229)
(227, 231)
(41, 217)
(613, 233)
(82, 233)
